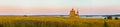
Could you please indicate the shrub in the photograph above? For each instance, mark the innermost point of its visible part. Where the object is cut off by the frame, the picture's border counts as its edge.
(116, 18)
(109, 17)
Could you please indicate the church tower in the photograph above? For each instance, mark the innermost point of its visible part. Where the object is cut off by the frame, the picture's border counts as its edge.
(77, 14)
(74, 14)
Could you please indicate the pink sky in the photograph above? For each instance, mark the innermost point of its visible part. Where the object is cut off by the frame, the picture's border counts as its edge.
(58, 7)
(35, 10)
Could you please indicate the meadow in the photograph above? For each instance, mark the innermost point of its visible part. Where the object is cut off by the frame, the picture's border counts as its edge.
(53, 21)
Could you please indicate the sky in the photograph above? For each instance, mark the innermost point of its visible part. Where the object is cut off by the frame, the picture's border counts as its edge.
(59, 7)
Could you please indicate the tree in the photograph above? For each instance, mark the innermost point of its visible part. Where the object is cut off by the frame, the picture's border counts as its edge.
(25, 16)
(116, 18)
(109, 17)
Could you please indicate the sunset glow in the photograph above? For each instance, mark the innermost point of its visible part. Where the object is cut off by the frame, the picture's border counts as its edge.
(59, 7)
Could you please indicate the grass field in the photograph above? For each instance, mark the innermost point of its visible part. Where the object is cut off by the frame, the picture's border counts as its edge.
(52, 21)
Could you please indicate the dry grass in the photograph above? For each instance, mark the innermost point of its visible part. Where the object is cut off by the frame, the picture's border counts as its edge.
(51, 21)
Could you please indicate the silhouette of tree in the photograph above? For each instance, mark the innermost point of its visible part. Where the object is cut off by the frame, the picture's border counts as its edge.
(25, 16)
(116, 18)
(109, 17)
(105, 18)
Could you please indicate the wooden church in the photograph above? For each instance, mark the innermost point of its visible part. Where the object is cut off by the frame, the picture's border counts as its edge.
(74, 13)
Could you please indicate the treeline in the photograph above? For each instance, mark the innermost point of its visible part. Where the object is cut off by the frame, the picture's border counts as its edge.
(110, 18)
